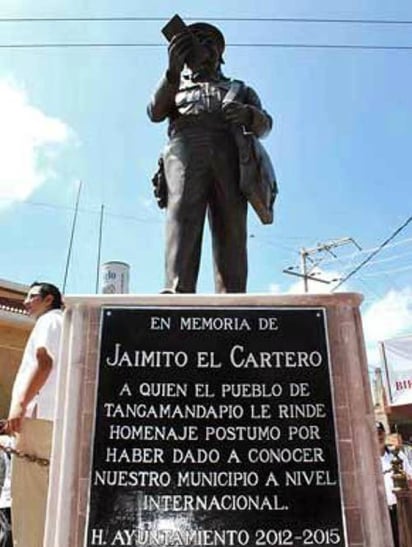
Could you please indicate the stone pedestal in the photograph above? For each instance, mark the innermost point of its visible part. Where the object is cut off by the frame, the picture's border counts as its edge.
(404, 503)
(363, 499)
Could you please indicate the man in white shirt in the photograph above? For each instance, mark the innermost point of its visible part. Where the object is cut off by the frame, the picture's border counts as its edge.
(31, 414)
(386, 462)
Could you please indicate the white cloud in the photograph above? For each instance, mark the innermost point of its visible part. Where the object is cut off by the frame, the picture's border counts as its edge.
(275, 288)
(387, 318)
(28, 138)
(149, 204)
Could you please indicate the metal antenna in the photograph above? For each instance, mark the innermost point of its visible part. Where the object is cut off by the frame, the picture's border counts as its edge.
(99, 248)
(69, 251)
(306, 255)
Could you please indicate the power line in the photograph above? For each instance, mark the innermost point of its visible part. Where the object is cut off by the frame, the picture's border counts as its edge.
(321, 249)
(102, 45)
(80, 209)
(337, 258)
(121, 19)
(390, 279)
(385, 272)
(278, 244)
(374, 253)
(390, 258)
(354, 256)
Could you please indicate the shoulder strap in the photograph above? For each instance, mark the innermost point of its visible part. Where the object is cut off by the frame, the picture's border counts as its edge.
(235, 91)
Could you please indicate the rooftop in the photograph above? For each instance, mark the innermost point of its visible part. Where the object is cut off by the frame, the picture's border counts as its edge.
(13, 305)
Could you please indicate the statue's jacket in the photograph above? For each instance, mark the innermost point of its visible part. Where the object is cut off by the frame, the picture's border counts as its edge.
(193, 102)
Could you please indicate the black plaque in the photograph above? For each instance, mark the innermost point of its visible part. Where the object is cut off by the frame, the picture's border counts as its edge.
(214, 427)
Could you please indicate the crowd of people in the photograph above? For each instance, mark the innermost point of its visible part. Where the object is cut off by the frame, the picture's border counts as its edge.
(387, 457)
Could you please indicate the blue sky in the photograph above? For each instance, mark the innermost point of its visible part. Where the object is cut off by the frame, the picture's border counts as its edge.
(341, 144)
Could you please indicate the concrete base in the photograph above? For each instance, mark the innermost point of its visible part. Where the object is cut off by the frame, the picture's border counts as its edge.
(404, 500)
(365, 511)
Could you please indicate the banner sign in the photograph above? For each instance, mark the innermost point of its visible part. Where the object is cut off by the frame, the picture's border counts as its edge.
(397, 356)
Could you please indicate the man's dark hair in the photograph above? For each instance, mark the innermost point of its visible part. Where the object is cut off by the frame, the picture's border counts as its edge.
(49, 288)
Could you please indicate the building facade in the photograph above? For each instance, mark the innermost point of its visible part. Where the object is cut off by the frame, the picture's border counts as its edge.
(15, 327)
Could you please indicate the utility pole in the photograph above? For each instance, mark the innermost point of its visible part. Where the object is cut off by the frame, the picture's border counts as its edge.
(304, 269)
(306, 256)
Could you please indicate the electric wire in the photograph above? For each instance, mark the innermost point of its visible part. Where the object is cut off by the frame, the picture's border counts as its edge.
(91, 211)
(131, 18)
(374, 253)
(355, 255)
(106, 45)
(387, 272)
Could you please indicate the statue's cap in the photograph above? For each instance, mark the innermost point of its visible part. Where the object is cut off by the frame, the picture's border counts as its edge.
(379, 426)
(210, 30)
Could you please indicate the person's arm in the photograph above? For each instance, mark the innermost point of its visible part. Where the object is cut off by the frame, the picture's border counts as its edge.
(35, 382)
(261, 123)
(249, 113)
(162, 103)
(163, 100)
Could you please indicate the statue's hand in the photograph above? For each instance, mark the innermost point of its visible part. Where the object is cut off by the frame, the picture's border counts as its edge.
(180, 48)
(238, 113)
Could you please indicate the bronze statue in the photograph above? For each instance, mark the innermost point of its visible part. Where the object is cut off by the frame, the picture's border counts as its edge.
(199, 170)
